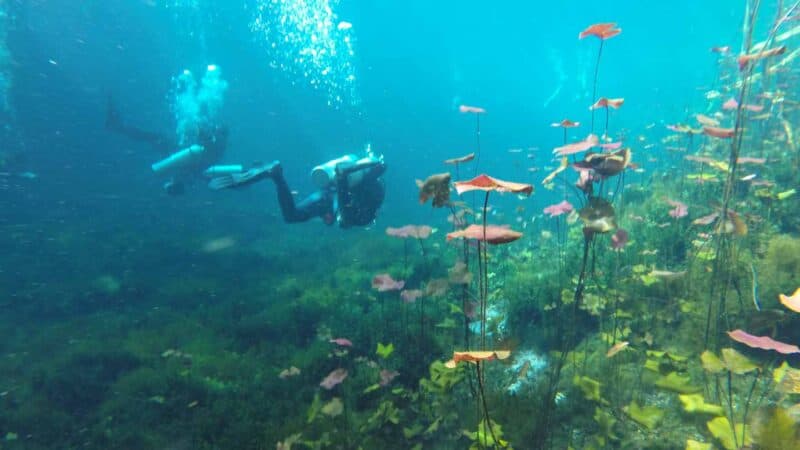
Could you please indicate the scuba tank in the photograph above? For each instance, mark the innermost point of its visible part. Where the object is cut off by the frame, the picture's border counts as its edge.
(179, 158)
(325, 174)
(215, 171)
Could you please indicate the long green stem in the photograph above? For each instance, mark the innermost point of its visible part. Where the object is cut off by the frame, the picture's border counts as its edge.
(487, 422)
(594, 86)
(484, 292)
(477, 142)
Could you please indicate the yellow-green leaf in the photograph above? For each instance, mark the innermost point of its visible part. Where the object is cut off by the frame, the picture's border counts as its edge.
(448, 322)
(721, 429)
(589, 387)
(313, 410)
(412, 432)
(691, 444)
(371, 388)
(647, 416)
(786, 194)
(737, 362)
(678, 383)
(787, 379)
(695, 403)
(384, 350)
(711, 363)
(333, 408)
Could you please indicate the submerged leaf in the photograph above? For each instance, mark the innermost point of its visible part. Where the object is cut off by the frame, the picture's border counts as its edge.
(711, 363)
(737, 362)
(721, 429)
(787, 379)
(412, 432)
(691, 444)
(314, 409)
(333, 408)
(677, 383)
(605, 421)
(372, 388)
(589, 387)
(777, 432)
(647, 416)
(695, 403)
(384, 350)
(447, 323)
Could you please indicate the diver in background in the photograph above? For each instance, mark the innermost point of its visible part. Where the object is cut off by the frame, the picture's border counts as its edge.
(350, 190)
(201, 137)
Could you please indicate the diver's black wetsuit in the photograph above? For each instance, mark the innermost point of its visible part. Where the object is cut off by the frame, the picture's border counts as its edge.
(349, 206)
(212, 137)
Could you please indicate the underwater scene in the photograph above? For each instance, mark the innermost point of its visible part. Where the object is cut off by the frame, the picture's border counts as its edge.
(365, 225)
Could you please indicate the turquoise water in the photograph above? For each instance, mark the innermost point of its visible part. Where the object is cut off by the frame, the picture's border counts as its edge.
(141, 309)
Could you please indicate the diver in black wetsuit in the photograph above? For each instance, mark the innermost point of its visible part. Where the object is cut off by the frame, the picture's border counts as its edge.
(201, 134)
(350, 197)
(212, 138)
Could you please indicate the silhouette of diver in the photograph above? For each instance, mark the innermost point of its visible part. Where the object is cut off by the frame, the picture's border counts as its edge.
(350, 190)
(210, 146)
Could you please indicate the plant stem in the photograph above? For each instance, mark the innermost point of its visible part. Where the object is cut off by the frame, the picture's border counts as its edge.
(478, 142)
(484, 294)
(594, 86)
(730, 409)
(487, 420)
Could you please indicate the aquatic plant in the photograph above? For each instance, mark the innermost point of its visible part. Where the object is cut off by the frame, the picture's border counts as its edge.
(477, 112)
(486, 235)
(564, 125)
(460, 160)
(601, 31)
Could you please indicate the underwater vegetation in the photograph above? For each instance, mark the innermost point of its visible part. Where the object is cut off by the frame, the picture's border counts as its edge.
(643, 306)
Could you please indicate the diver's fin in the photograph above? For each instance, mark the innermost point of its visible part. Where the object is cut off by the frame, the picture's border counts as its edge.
(252, 175)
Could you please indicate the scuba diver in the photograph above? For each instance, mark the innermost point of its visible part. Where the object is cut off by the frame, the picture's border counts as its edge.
(350, 190)
(201, 138)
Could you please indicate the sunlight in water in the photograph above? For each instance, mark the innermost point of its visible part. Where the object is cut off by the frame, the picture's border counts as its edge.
(307, 42)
